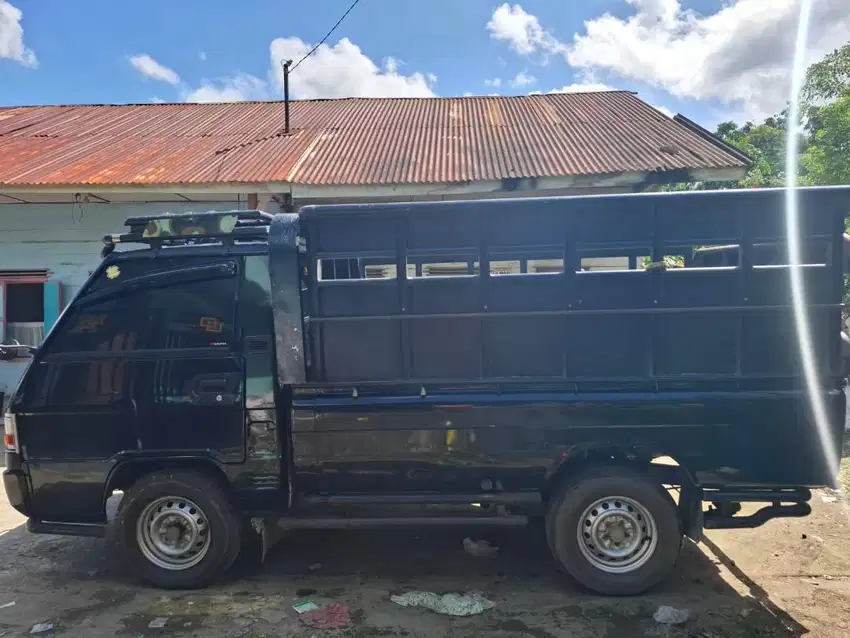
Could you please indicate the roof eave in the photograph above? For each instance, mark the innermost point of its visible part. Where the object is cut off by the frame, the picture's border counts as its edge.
(637, 180)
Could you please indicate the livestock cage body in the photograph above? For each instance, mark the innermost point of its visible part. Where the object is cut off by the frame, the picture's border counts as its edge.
(496, 290)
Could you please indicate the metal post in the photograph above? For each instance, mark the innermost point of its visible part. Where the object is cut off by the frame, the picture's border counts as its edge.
(286, 66)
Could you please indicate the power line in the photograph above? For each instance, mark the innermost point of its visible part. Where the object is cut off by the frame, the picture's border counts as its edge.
(338, 22)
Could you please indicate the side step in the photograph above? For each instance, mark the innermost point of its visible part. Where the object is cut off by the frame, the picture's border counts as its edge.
(333, 522)
(92, 530)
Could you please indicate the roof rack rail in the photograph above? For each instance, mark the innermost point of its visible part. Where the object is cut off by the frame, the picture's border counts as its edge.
(183, 229)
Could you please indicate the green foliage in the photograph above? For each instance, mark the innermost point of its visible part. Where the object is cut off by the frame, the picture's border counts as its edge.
(824, 144)
(828, 79)
(827, 159)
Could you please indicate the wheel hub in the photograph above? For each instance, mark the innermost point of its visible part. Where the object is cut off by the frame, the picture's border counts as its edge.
(617, 534)
(173, 533)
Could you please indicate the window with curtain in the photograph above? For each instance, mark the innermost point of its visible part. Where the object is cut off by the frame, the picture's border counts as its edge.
(24, 312)
(29, 304)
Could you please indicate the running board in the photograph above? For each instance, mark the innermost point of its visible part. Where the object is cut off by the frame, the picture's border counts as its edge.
(92, 530)
(517, 499)
(329, 522)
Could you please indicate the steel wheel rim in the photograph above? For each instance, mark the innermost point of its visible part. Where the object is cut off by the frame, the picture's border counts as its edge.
(617, 535)
(173, 533)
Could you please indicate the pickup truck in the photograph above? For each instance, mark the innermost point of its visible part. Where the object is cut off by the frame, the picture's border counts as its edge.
(454, 363)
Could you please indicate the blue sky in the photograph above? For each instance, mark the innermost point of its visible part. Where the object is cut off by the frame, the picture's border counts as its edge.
(704, 58)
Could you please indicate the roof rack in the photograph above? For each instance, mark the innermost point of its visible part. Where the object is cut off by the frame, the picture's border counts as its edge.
(184, 229)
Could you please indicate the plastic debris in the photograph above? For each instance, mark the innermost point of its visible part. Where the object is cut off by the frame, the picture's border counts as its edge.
(479, 548)
(315, 567)
(41, 627)
(6, 605)
(307, 605)
(666, 615)
(468, 604)
(158, 623)
(334, 616)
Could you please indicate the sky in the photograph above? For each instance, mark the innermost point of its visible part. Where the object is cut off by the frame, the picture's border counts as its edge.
(711, 60)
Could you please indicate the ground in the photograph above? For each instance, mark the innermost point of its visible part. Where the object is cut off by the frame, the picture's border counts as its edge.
(788, 578)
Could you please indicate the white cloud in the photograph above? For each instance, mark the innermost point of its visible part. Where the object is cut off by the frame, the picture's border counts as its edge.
(583, 87)
(12, 36)
(494, 82)
(521, 31)
(202, 56)
(523, 79)
(153, 70)
(343, 70)
(741, 54)
(157, 100)
(237, 88)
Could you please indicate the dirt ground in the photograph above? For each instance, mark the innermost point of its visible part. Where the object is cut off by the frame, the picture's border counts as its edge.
(788, 578)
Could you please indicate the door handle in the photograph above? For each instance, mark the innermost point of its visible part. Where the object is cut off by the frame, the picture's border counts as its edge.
(215, 389)
(213, 385)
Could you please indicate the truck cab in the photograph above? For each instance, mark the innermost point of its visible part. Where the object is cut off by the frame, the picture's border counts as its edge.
(237, 374)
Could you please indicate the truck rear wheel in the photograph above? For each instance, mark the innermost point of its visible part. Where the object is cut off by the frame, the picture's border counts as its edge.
(614, 531)
(178, 530)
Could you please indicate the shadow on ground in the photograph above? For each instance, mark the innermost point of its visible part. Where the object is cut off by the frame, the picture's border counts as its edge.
(72, 583)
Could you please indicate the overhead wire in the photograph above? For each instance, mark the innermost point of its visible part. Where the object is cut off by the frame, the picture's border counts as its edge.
(327, 35)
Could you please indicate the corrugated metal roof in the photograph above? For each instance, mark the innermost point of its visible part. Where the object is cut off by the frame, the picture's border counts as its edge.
(358, 141)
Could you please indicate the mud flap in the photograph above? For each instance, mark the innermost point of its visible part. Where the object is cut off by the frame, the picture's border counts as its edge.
(268, 534)
(690, 511)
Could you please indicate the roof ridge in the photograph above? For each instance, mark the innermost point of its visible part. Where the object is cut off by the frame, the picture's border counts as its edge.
(313, 100)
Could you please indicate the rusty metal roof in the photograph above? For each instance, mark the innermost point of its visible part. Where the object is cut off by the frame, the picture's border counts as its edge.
(358, 141)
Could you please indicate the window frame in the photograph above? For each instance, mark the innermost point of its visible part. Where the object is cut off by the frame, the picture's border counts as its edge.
(225, 269)
(27, 277)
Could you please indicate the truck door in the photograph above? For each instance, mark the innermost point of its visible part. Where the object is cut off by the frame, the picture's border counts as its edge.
(143, 364)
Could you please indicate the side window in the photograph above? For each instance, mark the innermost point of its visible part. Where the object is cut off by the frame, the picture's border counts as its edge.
(197, 314)
(255, 297)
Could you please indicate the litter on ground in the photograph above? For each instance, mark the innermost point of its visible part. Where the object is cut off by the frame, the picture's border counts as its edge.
(479, 548)
(666, 615)
(307, 605)
(448, 604)
(334, 616)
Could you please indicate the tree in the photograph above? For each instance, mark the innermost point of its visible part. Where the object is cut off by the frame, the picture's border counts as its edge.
(824, 142)
(828, 79)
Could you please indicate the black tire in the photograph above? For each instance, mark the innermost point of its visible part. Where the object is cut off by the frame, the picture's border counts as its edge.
(221, 523)
(565, 512)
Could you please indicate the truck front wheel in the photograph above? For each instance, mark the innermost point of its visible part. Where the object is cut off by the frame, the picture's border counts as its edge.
(614, 531)
(178, 530)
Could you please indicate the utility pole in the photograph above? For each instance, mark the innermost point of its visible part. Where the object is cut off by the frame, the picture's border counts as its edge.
(286, 64)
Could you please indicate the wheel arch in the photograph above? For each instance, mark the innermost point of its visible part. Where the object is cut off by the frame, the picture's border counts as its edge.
(127, 472)
(574, 460)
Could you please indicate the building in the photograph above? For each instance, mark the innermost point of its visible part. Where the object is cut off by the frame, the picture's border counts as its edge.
(70, 174)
